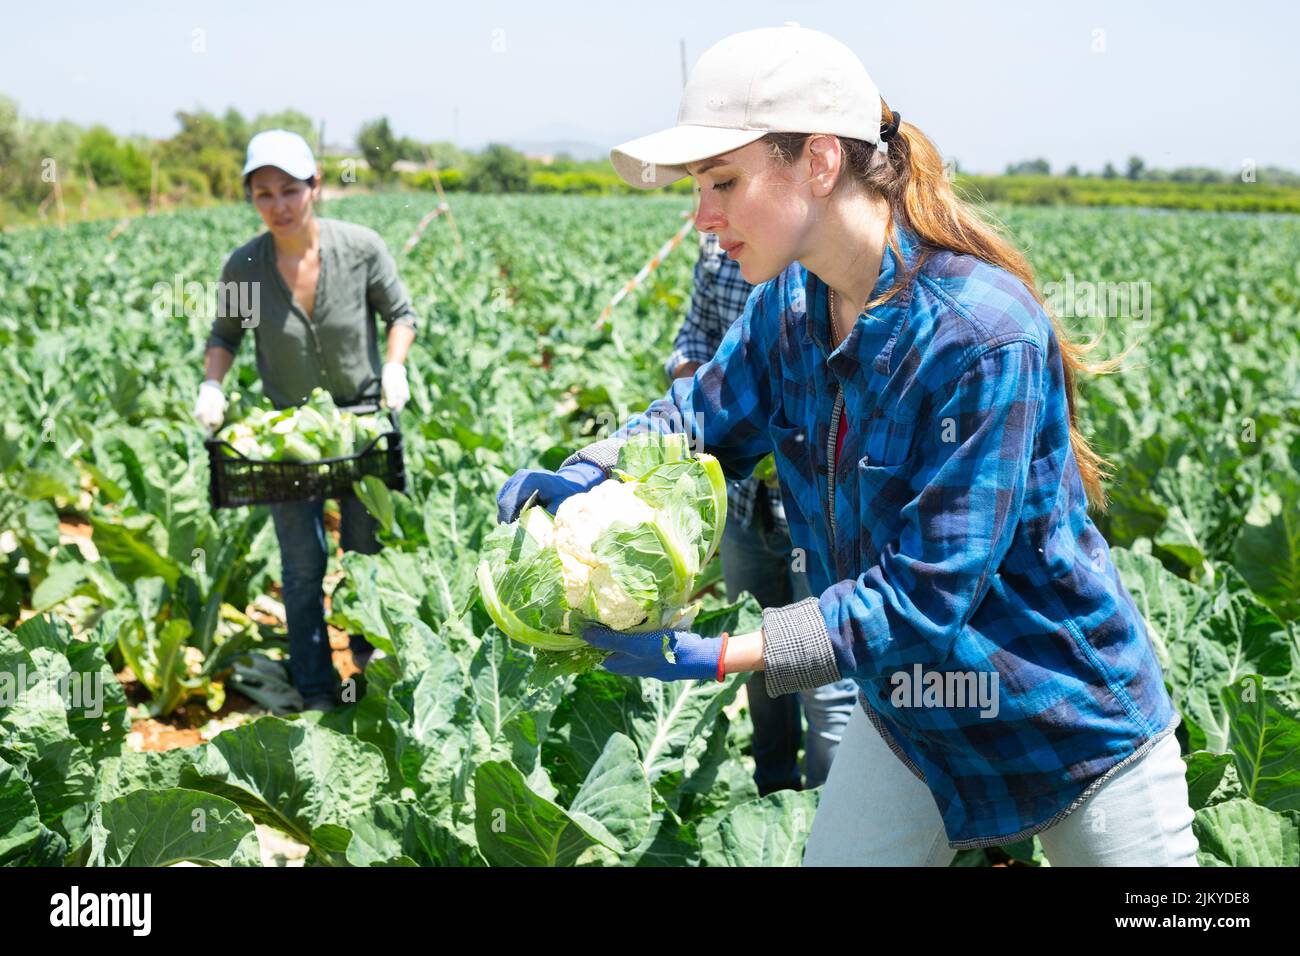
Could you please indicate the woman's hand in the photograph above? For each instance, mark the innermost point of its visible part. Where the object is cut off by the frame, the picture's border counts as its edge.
(552, 487)
(210, 406)
(686, 370)
(642, 655)
(395, 390)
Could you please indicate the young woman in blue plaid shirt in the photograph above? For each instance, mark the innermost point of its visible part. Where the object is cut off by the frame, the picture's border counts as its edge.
(918, 400)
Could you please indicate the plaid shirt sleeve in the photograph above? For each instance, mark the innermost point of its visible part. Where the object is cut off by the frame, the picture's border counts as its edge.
(702, 328)
(961, 504)
(725, 406)
(717, 301)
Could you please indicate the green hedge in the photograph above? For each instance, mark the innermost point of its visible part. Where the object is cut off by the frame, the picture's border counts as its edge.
(453, 180)
(1068, 191)
(341, 172)
(581, 182)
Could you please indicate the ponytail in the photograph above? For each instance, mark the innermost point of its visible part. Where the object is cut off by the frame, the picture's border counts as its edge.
(912, 179)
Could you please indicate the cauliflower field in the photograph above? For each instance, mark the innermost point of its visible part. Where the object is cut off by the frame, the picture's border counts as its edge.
(111, 559)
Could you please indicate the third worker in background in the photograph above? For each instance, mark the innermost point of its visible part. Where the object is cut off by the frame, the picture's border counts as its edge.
(757, 554)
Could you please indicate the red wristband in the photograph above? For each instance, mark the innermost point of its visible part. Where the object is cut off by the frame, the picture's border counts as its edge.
(722, 657)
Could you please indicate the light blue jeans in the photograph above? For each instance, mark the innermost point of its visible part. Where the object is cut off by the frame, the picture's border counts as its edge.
(300, 529)
(757, 559)
(875, 812)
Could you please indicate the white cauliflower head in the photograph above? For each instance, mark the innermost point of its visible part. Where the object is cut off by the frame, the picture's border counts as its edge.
(614, 606)
(577, 577)
(579, 521)
(625, 554)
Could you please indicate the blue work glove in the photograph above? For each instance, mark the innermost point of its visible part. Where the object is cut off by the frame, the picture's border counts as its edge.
(642, 655)
(552, 487)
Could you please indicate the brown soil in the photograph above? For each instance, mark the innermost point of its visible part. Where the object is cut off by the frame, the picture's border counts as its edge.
(157, 736)
(181, 727)
(261, 617)
(341, 653)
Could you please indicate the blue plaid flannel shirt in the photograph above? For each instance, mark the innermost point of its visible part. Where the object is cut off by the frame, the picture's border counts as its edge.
(717, 300)
(957, 545)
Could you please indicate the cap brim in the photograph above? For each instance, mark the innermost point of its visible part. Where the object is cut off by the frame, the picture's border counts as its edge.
(255, 164)
(660, 159)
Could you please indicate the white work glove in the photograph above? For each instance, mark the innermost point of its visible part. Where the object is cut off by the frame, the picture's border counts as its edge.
(396, 391)
(210, 406)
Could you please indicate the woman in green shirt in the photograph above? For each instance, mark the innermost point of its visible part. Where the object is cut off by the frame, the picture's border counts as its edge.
(310, 289)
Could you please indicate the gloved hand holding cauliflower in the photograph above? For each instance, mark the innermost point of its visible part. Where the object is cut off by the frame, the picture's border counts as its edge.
(624, 554)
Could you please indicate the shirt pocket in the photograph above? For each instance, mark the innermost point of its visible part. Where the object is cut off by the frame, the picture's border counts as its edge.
(888, 441)
(796, 464)
(1046, 547)
(884, 485)
(797, 401)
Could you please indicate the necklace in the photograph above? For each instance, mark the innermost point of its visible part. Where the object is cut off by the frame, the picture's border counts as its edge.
(835, 322)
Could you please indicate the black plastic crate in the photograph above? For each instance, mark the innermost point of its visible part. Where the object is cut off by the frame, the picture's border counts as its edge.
(235, 480)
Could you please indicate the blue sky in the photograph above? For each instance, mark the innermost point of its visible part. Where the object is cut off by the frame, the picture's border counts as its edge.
(1179, 83)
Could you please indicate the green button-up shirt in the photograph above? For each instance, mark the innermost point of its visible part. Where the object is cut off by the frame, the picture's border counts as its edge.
(337, 348)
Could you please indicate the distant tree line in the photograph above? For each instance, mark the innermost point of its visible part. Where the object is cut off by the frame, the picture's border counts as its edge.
(1136, 170)
(59, 168)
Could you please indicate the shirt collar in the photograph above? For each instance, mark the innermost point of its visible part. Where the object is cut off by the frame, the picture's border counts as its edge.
(326, 240)
(818, 327)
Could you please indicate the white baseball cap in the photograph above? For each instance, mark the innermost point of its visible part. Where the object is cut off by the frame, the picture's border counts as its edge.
(785, 79)
(282, 149)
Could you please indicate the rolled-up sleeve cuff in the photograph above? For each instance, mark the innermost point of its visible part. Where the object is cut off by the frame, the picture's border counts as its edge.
(406, 318)
(217, 341)
(603, 454)
(797, 650)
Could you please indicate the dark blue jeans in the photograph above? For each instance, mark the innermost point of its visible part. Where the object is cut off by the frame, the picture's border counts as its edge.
(757, 559)
(304, 553)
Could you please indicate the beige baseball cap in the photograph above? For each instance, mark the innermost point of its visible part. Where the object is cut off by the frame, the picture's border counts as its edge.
(785, 79)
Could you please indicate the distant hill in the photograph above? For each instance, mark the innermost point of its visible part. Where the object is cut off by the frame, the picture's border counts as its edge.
(583, 152)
